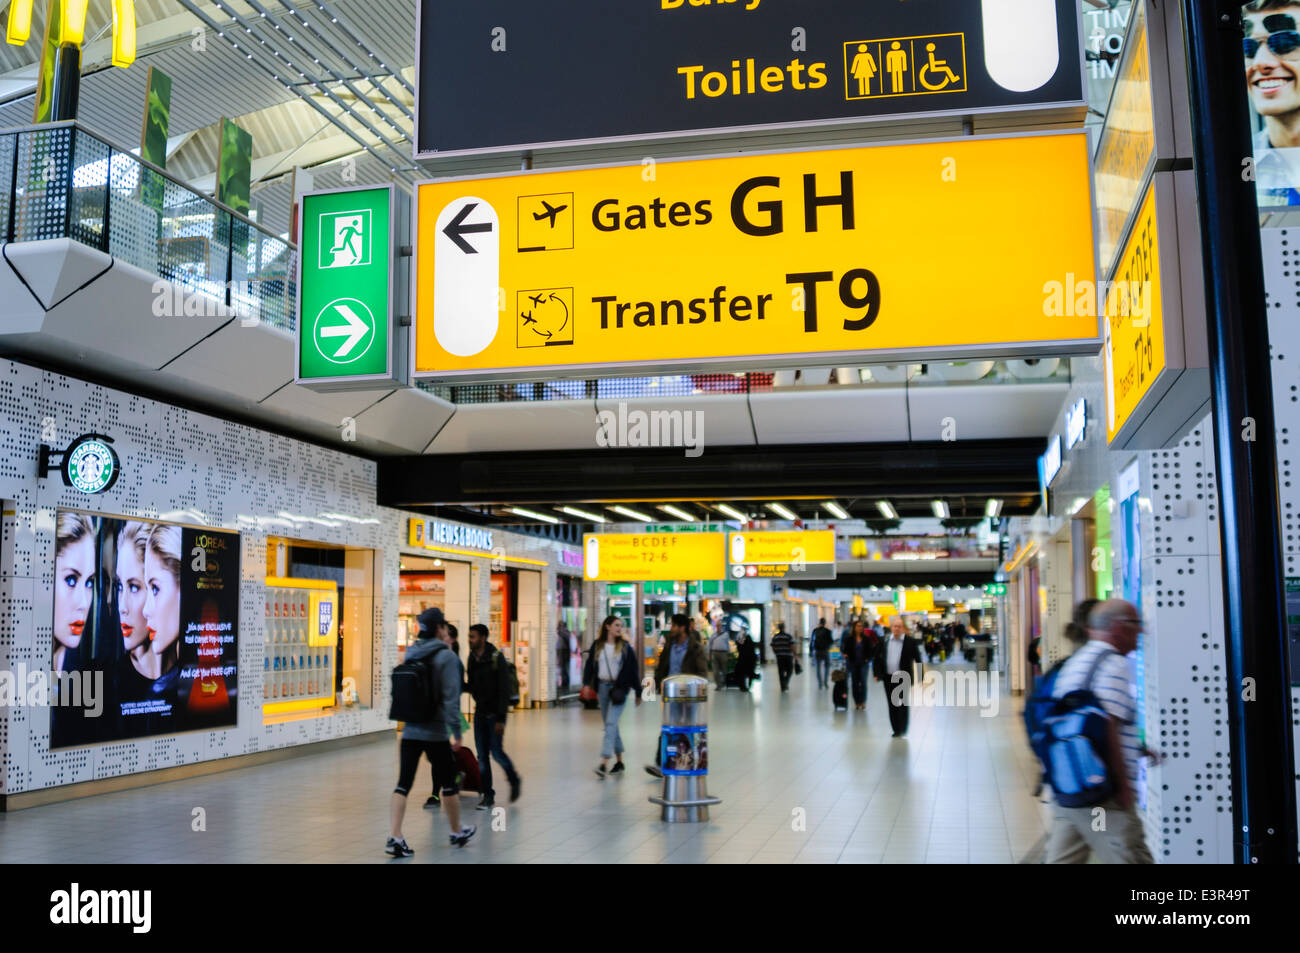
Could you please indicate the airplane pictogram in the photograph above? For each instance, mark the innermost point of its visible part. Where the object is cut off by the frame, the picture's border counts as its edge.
(551, 211)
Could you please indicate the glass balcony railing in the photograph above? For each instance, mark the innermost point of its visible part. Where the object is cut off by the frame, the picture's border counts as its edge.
(62, 181)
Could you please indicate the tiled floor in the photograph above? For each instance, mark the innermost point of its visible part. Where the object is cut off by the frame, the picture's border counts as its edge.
(799, 784)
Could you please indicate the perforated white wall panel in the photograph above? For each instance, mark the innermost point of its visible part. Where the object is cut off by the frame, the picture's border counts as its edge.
(1189, 804)
(192, 468)
(1282, 281)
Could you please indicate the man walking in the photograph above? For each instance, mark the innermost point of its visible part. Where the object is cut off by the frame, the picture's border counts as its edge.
(432, 739)
(720, 652)
(894, 665)
(681, 655)
(1100, 666)
(783, 649)
(488, 683)
(821, 652)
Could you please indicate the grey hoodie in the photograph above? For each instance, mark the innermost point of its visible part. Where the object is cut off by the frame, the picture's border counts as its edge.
(447, 670)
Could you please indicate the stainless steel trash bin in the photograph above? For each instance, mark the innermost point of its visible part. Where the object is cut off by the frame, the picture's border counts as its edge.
(684, 750)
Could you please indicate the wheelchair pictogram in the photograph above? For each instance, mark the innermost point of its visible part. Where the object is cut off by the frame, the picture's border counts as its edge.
(934, 67)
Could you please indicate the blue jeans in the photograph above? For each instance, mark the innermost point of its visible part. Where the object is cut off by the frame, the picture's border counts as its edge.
(858, 673)
(610, 714)
(823, 671)
(487, 741)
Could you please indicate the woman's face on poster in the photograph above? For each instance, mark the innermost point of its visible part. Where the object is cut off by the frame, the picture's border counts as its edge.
(162, 603)
(130, 597)
(74, 590)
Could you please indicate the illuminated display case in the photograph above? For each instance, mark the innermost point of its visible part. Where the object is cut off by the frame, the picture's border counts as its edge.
(301, 641)
(419, 591)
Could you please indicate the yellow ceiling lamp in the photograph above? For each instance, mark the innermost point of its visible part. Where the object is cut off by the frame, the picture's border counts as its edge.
(123, 32)
(72, 26)
(20, 22)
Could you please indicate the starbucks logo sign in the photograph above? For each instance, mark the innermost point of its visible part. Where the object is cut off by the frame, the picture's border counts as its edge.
(91, 464)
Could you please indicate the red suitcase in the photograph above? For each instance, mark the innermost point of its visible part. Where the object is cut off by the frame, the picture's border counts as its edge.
(467, 769)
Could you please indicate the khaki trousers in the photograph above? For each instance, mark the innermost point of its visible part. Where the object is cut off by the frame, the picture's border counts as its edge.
(1074, 835)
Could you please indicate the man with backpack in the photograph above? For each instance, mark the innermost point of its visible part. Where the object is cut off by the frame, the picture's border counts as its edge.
(1090, 746)
(426, 699)
(492, 684)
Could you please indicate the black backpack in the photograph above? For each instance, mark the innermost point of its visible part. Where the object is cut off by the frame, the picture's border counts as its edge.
(416, 694)
(512, 676)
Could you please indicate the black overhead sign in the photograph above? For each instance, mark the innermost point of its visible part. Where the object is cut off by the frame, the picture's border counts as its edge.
(496, 75)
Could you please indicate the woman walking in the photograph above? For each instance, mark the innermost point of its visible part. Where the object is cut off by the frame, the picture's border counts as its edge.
(746, 661)
(612, 671)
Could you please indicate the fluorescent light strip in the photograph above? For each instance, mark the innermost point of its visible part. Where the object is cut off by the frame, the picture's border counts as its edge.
(633, 514)
(536, 516)
(781, 511)
(887, 510)
(733, 513)
(993, 508)
(583, 514)
(837, 510)
(940, 509)
(679, 513)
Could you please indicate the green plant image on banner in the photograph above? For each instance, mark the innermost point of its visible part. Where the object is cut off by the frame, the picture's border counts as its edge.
(157, 114)
(153, 138)
(45, 75)
(235, 167)
(345, 315)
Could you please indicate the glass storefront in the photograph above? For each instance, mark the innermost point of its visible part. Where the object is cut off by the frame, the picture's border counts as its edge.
(319, 627)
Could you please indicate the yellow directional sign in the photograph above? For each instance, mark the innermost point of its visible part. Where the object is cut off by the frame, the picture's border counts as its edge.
(780, 555)
(1135, 321)
(647, 557)
(926, 251)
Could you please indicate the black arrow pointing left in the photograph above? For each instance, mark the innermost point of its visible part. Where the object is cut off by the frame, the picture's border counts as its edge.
(457, 229)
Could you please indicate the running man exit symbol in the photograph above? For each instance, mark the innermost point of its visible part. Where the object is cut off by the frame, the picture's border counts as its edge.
(345, 239)
(546, 222)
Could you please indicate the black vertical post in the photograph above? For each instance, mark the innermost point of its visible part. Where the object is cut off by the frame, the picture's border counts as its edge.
(66, 90)
(1259, 704)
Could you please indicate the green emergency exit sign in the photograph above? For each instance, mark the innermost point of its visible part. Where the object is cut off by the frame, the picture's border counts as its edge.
(346, 288)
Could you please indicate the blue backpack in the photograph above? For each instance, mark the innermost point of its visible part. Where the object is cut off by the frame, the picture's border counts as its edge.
(1070, 736)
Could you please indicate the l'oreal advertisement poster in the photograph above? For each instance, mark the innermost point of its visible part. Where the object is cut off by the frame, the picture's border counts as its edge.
(146, 625)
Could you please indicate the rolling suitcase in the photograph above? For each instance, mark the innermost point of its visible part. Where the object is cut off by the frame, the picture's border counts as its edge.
(839, 689)
(467, 770)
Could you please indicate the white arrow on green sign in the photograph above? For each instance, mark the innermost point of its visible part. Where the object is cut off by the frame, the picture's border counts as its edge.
(353, 329)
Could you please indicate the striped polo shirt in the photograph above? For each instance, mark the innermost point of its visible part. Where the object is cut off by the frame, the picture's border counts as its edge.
(783, 645)
(1115, 689)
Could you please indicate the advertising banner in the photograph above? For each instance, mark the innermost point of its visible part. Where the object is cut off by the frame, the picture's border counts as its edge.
(515, 74)
(1272, 74)
(684, 750)
(146, 628)
(909, 251)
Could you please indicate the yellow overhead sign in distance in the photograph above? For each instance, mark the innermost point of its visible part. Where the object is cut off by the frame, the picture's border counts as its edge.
(933, 250)
(782, 554)
(649, 557)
